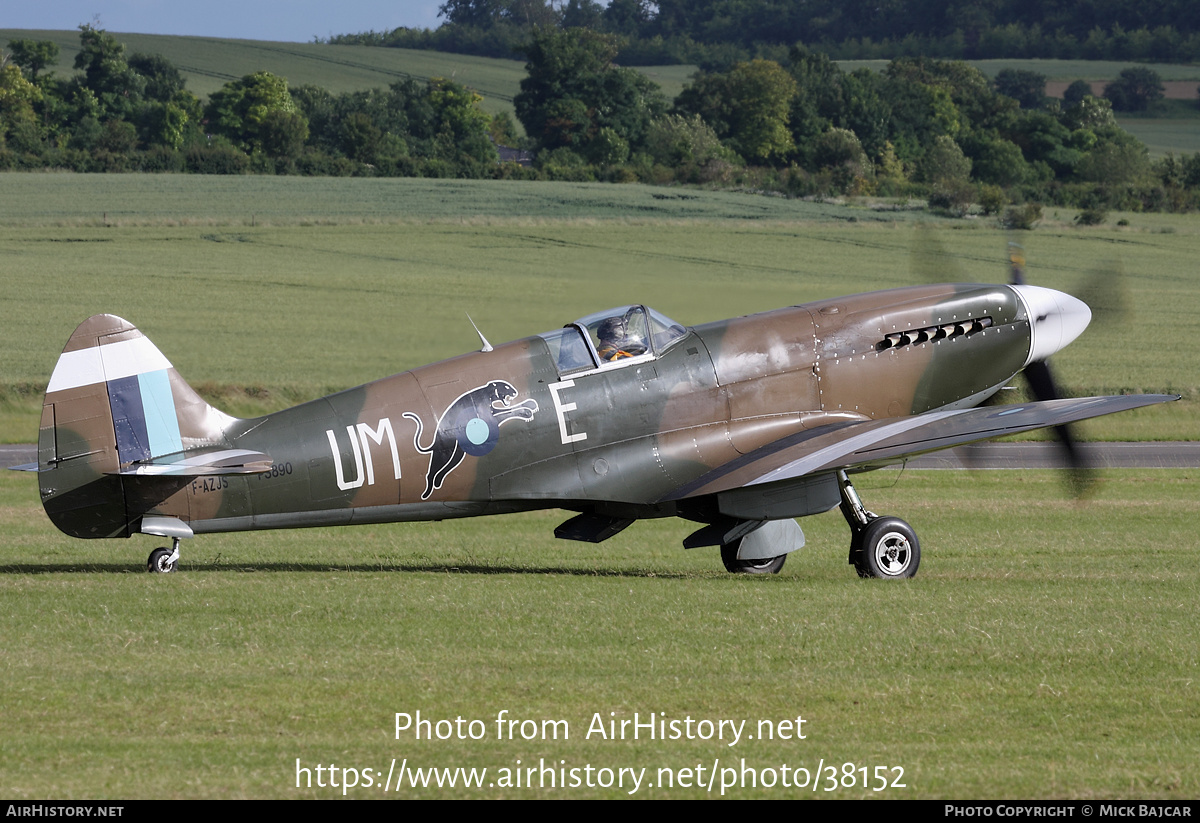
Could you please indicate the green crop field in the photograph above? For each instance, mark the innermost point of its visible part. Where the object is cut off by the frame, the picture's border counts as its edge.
(1058, 70)
(1071, 70)
(1046, 648)
(265, 290)
(1162, 137)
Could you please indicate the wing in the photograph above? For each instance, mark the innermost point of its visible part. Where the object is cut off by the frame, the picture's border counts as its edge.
(874, 443)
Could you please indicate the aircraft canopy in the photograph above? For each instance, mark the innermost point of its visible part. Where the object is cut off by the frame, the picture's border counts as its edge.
(612, 337)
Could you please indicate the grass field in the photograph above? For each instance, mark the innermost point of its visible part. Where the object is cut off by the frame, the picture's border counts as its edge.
(1168, 136)
(1045, 650)
(265, 291)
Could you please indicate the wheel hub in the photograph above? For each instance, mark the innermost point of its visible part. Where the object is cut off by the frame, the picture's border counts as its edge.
(893, 552)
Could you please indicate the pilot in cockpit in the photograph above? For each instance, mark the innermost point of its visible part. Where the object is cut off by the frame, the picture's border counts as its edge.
(616, 342)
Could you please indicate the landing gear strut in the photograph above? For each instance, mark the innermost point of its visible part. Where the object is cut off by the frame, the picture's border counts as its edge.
(884, 547)
(163, 560)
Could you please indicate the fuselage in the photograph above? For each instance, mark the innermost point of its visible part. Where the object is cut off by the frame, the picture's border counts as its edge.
(403, 448)
(562, 419)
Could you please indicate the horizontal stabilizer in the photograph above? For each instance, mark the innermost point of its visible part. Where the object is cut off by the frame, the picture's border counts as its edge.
(224, 461)
(24, 467)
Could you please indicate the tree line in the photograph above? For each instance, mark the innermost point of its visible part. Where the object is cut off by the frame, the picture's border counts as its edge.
(925, 128)
(718, 33)
(124, 111)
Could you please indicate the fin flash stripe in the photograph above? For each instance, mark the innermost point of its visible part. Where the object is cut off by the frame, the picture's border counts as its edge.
(144, 416)
(113, 361)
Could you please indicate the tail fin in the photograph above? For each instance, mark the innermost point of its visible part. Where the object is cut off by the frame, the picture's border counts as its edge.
(112, 401)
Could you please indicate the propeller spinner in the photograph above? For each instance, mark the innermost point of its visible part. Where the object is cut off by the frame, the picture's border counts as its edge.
(1055, 320)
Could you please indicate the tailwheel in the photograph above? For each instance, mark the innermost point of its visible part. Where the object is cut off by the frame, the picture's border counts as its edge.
(163, 560)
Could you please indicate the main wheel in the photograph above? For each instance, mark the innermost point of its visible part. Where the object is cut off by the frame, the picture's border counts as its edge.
(888, 548)
(160, 562)
(770, 565)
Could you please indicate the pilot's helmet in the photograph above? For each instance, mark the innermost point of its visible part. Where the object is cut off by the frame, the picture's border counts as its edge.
(611, 329)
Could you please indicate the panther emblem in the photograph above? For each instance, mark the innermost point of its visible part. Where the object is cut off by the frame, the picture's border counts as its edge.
(470, 425)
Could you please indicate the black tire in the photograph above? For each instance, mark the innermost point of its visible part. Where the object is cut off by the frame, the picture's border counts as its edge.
(888, 549)
(159, 562)
(729, 557)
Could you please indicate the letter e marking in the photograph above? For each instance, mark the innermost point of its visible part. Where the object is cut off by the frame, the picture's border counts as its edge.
(561, 409)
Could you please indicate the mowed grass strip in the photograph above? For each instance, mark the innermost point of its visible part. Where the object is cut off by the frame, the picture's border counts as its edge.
(1045, 650)
(121, 200)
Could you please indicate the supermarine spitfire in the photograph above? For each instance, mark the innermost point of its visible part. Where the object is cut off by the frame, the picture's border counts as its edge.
(740, 426)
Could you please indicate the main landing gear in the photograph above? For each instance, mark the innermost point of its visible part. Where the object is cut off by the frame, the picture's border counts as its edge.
(163, 560)
(880, 546)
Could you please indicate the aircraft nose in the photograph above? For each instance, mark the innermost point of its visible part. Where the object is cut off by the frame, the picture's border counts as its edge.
(1055, 319)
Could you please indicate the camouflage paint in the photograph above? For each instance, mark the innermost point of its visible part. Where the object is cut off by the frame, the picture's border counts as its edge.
(503, 430)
